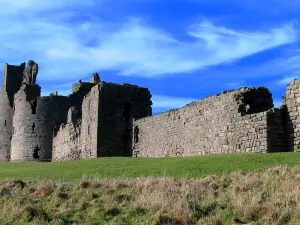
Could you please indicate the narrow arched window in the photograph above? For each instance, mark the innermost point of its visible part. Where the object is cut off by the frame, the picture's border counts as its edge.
(33, 107)
(127, 111)
(136, 134)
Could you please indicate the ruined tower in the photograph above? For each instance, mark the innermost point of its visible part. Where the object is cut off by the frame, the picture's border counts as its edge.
(34, 119)
(118, 105)
(11, 83)
(104, 127)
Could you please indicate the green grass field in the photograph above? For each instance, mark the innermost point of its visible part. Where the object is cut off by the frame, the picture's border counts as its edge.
(121, 167)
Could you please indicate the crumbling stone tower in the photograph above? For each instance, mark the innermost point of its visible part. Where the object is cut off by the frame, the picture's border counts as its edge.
(34, 118)
(11, 83)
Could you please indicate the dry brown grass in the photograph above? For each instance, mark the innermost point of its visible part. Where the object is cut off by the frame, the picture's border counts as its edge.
(44, 189)
(270, 197)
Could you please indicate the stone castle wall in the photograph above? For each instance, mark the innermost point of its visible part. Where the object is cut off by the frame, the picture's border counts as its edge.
(78, 139)
(90, 121)
(67, 142)
(238, 121)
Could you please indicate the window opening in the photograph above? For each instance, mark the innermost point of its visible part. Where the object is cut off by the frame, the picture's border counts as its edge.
(33, 107)
(136, 134)
(36, 152)
(126, 112)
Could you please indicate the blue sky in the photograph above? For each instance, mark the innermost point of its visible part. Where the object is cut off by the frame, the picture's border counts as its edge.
(182, 50)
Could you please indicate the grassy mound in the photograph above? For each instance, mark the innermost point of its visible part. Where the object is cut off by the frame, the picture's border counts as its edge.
(269, 197)
(121, 167)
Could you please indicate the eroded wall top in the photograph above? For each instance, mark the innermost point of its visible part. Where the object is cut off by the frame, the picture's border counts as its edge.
(232, 121)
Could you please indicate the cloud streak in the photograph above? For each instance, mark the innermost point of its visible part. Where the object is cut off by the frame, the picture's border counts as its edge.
(286, 80)
(283, 68)
(139, 50)
(71, 51)
(162, 102)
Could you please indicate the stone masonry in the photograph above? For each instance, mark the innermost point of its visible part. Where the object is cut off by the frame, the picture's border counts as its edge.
(235, 121)
(291, 107)
(105, 127)
(101, 119)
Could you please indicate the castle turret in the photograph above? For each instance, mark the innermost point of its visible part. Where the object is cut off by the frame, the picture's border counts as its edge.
(11, 82)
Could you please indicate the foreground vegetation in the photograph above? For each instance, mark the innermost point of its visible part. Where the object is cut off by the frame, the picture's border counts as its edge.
(120, 191)
(269, 197)
(121, 167)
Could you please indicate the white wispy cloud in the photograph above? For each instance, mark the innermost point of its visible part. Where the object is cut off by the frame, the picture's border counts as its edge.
(162, 102)
(139, 50)
(227, 44)
(277, 70)
(70, 50)
(284, 69)
(286, 80)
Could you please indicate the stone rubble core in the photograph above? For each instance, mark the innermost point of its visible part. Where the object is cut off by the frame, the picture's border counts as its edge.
(106, 119)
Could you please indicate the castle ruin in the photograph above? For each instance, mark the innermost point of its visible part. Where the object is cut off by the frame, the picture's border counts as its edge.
(94, 121)
(101, 119)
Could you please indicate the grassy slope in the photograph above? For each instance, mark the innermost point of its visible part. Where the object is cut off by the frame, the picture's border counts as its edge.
(189, 167)
(271, 197)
